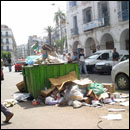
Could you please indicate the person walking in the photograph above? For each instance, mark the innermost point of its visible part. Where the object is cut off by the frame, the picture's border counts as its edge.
(82, 62)
(9, 64)
(7, 113)
(115, 57)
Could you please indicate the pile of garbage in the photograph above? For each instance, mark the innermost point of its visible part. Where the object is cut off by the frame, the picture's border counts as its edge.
(69, 91)
(47, 56)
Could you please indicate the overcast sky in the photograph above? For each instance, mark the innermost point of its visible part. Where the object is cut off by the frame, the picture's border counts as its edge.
(27, 18)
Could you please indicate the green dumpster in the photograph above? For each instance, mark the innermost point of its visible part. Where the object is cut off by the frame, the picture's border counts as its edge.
(36, 78)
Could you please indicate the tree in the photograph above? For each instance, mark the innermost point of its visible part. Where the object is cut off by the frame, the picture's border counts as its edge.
(59, 18)
(60, 44)
(5, 54)
(49, 30)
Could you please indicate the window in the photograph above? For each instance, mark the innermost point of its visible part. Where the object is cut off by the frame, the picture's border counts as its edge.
(7, 41)
(125, 10)
(72, 3)
(103, 11)
(7, 48)
(87, 15)
(125, 57)
(6, 33)
(104, 56)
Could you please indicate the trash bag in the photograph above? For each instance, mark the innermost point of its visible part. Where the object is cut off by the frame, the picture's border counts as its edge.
(51, 101)
(97, 88)
(77, 104)
(21, 96)
(32, 59)
(73, 93)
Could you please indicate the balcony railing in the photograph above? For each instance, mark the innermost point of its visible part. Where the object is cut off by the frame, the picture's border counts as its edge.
(123, 15)
(74, 31)
(101, 22)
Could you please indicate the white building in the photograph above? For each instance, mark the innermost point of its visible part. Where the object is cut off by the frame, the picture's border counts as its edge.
(95, 25)
(22, 51)
(8, 42)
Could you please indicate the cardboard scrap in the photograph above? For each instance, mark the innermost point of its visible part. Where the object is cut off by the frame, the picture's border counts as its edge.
(61, 80)
(20, 86)
(45, 93)
(92, 94)
(83, 83)
(109, 86)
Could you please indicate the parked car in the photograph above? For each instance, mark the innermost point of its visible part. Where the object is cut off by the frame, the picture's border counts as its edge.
(2, 74)
(120, 75)
(97, 57)
(19, 64)
(105, 66)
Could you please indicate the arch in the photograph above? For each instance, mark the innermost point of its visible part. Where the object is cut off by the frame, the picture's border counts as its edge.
(124, 40)
(107, 42)
(90, 46)
(76, 45)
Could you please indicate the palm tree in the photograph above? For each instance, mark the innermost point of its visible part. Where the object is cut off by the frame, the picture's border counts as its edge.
(49, 30)
(59, 18)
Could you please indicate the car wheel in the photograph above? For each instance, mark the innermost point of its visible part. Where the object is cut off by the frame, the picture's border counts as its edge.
(15, 70)
(122, 82)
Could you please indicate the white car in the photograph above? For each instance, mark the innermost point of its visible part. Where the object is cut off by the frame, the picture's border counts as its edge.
(106, 66)
(97, 57)
(120, 75)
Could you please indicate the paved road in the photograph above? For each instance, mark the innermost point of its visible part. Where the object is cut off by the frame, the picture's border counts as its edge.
(52, 117)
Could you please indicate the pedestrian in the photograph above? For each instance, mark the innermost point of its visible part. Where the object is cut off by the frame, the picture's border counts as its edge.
(7, 113)
(69, 58)
(9, 64)
(115, 56)
(83, 66)
(75, 58)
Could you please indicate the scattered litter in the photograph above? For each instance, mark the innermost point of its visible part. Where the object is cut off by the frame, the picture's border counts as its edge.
(107, 100)
(116, 110)
(119, 100)
(112, 117)
(125, 103)
(77, 104)
(10, 102)
(21, 96)
(117, 95)
(35, 102)
(124, 96)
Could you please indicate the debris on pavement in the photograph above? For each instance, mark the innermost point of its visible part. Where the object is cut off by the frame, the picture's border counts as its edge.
(10, 102)
(21, 97)
(116, 110)
(125, 103)
(119, 100)
(20, 86)
(112, 117)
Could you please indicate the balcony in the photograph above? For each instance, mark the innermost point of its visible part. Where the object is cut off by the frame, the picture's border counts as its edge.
(101, 22)
(123, 15)
(74, 31)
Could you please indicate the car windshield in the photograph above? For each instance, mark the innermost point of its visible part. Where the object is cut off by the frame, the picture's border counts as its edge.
(94, 56)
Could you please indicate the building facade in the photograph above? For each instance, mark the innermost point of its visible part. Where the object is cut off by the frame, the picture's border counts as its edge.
(22, 51)
(97, 25)
(8, 42)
